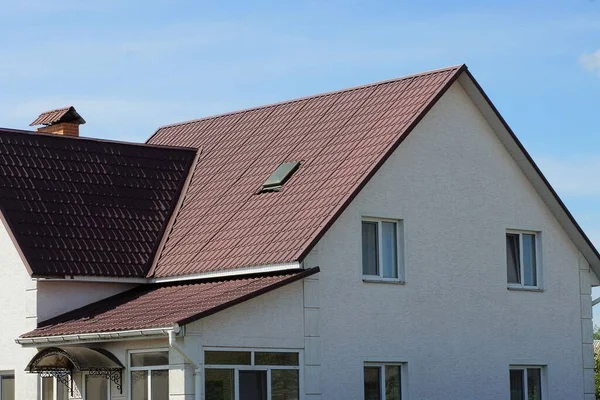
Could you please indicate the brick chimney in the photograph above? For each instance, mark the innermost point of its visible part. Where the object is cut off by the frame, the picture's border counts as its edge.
(63, 121)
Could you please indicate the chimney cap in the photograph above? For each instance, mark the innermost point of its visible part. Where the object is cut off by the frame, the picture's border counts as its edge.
(65, 114)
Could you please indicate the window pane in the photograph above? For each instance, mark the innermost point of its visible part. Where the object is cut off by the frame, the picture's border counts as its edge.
(227, 357)
(96, 388)
(529, 267)
(253, 385)
(372, 383)
(534, 384)
(160, 385)
(262, 358)
(285, 384)
(47, 388)
(150, 359)
(139, 385)
(516, 384)
(62, 391)
(369, 248)
(392, 383)
(513, 258)
(389, 246)
(219, 384)
(8, 388)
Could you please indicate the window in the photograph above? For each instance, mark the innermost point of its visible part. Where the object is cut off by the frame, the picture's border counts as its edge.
(522, 259)
(383, 381)
(251, 375)
(7, 387)
(96, 387)
(525, 383)
(276, 180)
(149, 375)
(52, 389)
(382, 249)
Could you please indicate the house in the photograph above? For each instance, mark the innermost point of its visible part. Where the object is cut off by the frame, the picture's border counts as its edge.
(390, 241)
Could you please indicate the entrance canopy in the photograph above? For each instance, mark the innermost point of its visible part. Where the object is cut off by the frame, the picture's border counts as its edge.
(61, 362)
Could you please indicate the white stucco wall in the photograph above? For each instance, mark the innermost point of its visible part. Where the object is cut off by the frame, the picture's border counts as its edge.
(57, 297)
(17, 316)
(454, 323)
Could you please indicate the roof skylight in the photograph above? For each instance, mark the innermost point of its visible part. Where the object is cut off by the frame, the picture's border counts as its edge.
(280, 176)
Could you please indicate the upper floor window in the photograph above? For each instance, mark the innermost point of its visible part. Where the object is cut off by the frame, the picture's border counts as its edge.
(381, 249)
(383, 381)
(525, 383)
(522, 259)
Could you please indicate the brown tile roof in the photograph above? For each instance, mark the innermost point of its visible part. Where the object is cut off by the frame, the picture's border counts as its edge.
(88, 207)
(162, 306)
(66, 114)
(341, 139)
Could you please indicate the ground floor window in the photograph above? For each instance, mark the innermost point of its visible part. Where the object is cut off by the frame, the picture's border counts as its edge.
(7, 386)
(525, 383)
(96, 387)
(52, 389)
(251, 375)
(149, 375)
(383, 381)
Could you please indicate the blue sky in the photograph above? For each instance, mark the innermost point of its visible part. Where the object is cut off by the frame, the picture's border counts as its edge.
(130, 67)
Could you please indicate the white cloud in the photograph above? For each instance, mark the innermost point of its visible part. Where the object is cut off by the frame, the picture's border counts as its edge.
(591, 61)
(573, 177)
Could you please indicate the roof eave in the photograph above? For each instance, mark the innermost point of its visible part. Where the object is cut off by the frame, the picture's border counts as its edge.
(135, 334)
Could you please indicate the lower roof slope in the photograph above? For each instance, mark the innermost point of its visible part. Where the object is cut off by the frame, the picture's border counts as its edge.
(163, 306)
(88, 207)
(339, 138)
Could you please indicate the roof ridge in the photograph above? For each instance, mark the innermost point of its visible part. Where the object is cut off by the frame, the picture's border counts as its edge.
(313, 96)
(92, 139)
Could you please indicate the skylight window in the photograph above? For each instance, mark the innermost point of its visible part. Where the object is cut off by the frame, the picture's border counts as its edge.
(280, 176)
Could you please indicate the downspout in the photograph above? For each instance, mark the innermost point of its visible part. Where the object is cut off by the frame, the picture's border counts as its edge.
(197, 369)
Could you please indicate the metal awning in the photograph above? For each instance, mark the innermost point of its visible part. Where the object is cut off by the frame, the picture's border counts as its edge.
(61, 362)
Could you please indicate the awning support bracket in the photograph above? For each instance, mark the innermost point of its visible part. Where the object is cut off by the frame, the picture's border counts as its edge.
(113, 374)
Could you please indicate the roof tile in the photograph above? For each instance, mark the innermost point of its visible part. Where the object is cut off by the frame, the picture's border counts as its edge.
(88, 207)
(339, 138)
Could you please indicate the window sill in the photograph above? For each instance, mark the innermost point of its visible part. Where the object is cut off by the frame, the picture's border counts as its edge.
(388, 281)
(525, 289)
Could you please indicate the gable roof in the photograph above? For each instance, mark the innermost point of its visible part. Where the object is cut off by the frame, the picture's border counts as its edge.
(65, 114)
(88, 207)
(340, 140)
(162, 305)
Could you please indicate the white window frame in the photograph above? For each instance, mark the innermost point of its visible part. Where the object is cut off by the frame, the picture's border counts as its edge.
(253, 367)
(399, 250)
(381, 366)
(54, 386)
(6, 374)
(149, 369)
(84, 377)
(543, 379)
(538, 260)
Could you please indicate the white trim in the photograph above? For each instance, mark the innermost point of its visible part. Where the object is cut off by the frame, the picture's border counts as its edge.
(524, 368)
(84, 278)
(96, 337)
(148, 369)
(258, 269)
(538, 261)
(381, 365)
(232, 272)
(253, 367)
(400, 257)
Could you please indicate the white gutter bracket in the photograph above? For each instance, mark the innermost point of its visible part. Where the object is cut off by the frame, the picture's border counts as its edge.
(197, 367)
